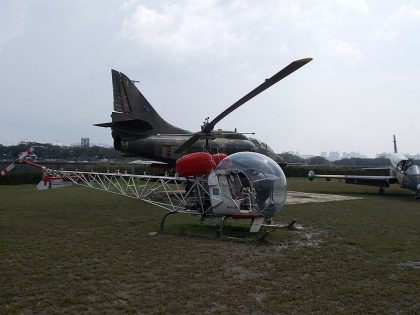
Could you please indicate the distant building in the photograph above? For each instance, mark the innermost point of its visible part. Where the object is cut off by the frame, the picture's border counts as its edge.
(352, 155)
(306, 156)
(85, 143)
(324, 155)
(25, 141)
(334, 156)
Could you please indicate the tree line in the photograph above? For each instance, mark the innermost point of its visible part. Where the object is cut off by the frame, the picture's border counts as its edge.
(352, 162)
(47, 151)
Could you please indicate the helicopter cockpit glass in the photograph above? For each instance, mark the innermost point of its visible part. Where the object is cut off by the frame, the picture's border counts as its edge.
(260, 176)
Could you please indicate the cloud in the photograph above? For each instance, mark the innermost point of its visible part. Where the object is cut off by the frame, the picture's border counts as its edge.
(225, 28)
(181, 31)
(394, 24)
(342, 49)
(209, 53)
(12, 20)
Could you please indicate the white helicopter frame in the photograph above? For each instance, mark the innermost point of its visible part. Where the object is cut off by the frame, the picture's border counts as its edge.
(165, 192)
(176, 194)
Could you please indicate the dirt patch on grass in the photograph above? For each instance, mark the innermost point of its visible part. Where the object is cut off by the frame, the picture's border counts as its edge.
(410, 265)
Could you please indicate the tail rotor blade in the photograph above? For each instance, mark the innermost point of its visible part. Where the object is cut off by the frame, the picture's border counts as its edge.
(8, 169)
(24, 154)
(19, 159)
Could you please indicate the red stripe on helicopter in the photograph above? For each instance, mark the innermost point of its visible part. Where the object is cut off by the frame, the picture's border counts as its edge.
(33, 164)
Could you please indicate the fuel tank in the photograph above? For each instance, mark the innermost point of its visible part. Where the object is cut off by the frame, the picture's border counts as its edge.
(195, 164)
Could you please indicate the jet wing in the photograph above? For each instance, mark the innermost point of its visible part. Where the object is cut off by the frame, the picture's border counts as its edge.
(381, 181)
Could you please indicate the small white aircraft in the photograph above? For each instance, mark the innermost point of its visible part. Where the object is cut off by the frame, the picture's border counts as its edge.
(403, 172)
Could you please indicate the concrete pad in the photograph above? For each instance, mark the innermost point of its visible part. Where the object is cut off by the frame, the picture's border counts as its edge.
(297, 197)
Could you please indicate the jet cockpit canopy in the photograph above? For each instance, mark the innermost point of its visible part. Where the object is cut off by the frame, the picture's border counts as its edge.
(413, 170)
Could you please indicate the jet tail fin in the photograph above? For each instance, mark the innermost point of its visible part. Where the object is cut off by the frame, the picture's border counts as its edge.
(133, 115)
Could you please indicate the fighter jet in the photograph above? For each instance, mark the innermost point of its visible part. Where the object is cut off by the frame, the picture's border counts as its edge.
(138, 130)
(403, 172)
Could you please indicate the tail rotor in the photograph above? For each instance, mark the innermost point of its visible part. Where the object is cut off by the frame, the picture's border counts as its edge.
(19, 160)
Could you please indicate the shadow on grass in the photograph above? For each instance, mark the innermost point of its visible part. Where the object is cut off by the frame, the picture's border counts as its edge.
(401, 196)
(341, 188)
(231, 232)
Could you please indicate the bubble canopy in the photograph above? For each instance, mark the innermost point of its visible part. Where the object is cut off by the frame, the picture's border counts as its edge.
(266, 178)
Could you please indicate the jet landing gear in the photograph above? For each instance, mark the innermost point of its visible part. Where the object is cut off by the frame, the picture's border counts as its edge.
(381, 190)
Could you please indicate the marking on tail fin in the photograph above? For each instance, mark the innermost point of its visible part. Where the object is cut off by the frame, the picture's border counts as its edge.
(121, 102)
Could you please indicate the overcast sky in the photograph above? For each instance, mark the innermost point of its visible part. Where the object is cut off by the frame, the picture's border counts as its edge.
(195, 58)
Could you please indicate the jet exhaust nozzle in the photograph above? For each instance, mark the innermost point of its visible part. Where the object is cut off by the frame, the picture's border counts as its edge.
(119, 144)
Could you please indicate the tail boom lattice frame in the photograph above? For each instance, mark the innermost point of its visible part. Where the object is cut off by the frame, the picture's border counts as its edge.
(165, 192)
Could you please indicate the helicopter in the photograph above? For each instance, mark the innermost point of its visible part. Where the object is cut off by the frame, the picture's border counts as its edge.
(244, 185)
(138, 130)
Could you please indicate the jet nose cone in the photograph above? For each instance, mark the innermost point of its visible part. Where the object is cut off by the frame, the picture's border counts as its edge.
(418, 187)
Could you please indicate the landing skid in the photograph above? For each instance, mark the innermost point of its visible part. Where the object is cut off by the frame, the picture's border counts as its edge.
(233, 238)
(162, 221)
(291, 226)
(261, 237)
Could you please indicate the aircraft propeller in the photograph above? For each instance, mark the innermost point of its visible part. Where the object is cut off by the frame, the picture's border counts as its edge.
(207, 127)
(19, 159)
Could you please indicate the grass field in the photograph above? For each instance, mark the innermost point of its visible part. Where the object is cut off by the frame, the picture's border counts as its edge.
(77, 250)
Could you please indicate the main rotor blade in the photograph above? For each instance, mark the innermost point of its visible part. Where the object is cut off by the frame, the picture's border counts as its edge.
(208, 127)
(262, 87)
(188, 143)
